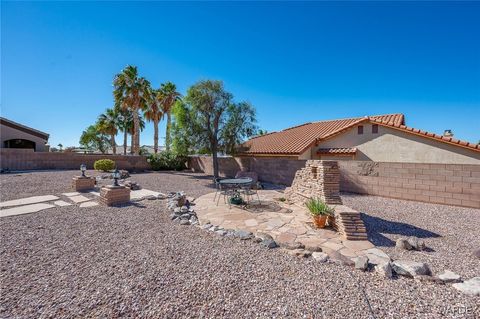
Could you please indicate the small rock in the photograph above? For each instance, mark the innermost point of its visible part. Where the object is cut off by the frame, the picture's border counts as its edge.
(361, 263)
(449, 276)
(313, 248)
(193, 218)
(243, 234)
(410, 268)
(292, 246)
(263, 236)
(185, 216)
(403, 243)
(425, 278)
(341, 259)
(151, 197)
(470, 287)
(257, 240)
(214, 228)
(230, 233)
(161, 196)
(173, 216)
(384, 269)
(376, 256)
(184, 209)
(300, 253)
(416, 243)
(184, 222)
(321, 257)
(269, 243)
(177, 210)
(221, 232)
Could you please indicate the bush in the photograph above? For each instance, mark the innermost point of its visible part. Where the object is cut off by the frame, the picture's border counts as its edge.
(104, 165)
(167, 161)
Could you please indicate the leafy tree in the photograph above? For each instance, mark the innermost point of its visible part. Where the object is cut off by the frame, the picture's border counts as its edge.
(168, 95)
(239, 125)
(108, 123)
(60, 147)
(154, 113)
(210, 120)
(262, 132)
(132, 92)
(94, 139)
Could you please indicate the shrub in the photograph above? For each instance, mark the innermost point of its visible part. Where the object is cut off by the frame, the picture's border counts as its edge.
(104, 165)
(167, 161)
(318, 207)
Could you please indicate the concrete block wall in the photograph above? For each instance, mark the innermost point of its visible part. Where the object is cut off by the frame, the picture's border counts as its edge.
(449, 184)
(22, 159)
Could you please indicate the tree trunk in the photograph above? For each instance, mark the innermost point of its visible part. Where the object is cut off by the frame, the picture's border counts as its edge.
(155, 136)
(215, 159)
(125, 133)
(132, 141)
(136, 132)
(114, 146)
(167, 133)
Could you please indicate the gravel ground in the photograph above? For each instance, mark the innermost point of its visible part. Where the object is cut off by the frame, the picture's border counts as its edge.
(133, 261)
(450, 233)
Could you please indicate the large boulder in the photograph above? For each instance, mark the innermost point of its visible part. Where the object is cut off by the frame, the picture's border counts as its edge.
(410, 268)
(469, 287)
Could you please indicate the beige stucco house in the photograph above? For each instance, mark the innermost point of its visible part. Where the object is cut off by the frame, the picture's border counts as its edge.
(383, 138)
(16, 135)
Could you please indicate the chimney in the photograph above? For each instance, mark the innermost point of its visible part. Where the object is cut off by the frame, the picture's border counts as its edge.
(448, 133)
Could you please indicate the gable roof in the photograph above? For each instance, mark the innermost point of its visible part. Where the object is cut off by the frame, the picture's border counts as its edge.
(297, 139)
(23, 128)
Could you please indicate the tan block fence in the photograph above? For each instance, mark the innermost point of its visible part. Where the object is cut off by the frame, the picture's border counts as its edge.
(21, 159)
(432, 183)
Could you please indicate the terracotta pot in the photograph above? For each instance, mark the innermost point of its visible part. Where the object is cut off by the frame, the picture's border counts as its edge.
(320, 221)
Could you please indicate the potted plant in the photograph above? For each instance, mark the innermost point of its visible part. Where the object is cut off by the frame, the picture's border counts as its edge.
(319, 211)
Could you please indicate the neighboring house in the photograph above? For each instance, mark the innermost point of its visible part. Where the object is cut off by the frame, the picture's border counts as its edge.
(382, 138)
(16, 135)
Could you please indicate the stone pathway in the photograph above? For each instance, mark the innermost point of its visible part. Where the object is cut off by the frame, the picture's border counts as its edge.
(289, 225)
(25, 209)
(28, 200)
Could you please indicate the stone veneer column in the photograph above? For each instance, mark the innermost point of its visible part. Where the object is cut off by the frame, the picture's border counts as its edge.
(319, 179)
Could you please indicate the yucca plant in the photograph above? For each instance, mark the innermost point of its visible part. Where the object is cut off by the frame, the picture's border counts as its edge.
(317, 207)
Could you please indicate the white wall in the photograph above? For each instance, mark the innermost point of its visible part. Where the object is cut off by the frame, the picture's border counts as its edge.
(390, 145)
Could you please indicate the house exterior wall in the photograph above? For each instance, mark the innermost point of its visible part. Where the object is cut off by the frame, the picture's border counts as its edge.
(9, 133)
(390, 145)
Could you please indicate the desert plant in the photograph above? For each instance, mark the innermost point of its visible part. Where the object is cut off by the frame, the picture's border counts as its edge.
(104, 165)
(167, 161)
(317, 207)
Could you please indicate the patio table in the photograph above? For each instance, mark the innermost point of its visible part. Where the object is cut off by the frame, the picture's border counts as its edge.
(235, 184)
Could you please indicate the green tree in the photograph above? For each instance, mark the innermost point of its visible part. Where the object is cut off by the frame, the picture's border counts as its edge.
(210, 120)
(168, 95)
(60, 146)
(153, 113)
(132, 93)
(130, 128)
(262, 132)
(239, 125)
(124, 124)
(108, 123)
(94, 139)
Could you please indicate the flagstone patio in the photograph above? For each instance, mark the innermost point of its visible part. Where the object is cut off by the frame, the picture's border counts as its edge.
(287, 224)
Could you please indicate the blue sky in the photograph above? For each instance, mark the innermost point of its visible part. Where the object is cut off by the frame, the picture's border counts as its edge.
(295, 62)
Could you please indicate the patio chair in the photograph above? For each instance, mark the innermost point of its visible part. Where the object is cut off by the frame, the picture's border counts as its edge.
(227, 191)
(249, 191)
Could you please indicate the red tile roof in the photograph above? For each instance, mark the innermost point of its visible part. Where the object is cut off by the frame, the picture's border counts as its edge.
(297, 139)
(337, 151)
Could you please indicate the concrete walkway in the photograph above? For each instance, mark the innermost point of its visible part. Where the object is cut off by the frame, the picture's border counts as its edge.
(287, 224)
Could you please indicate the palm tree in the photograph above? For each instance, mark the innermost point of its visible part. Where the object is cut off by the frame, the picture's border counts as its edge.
(131, 130)
(132, 92)
(154, 114)
(108, 123)
(168, 95)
